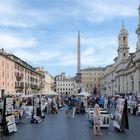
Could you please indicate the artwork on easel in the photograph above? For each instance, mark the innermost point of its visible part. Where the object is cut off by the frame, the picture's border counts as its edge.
(8, 117)
(121, 116)
(118, 113)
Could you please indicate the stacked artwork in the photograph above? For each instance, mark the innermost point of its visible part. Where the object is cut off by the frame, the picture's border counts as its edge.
(121, 116)
(8, 117)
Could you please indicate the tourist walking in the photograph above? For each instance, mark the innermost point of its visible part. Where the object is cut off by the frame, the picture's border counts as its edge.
(68, 108)
(73, 104)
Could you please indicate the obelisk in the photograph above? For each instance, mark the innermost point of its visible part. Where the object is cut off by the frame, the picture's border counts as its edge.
(78, 74)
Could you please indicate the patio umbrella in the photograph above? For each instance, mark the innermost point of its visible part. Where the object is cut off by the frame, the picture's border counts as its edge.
(53, 93)
(84, 94)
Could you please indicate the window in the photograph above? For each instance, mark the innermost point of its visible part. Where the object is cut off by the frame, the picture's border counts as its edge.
(3, 63)
(7, 66)
(2, 73)
(8, 75)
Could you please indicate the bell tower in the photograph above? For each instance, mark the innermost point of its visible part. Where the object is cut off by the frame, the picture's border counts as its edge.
(123, 49)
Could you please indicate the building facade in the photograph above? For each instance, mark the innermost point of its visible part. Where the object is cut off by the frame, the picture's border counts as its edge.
(123, 76)
(91, 79)
(49, 82)
(18, 76)
(65, 85)
(7, 80)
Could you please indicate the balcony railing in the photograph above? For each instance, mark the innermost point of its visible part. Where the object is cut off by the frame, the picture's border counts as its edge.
(33, 86)
(19, 77)
(26, 85)
(20, 85)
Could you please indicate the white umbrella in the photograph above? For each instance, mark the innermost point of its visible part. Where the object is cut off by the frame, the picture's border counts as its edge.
(52, 93)
(26, 96)
(84, 94)
(15, 94)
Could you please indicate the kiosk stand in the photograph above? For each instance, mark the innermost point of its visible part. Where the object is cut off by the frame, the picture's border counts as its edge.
(104, 118)
(8, 118)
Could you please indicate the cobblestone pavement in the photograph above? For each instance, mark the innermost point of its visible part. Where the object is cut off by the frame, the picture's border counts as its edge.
(59, 127)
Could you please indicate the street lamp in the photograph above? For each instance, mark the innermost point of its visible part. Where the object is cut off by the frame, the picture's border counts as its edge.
(112, 85)
(104, 88)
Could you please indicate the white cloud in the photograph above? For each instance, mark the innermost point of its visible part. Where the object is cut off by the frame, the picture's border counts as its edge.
(10, 14)
(36, 56)
(6, 9)
(68, 60)
(99, 10)
(98, 49)
(9, 41)
(93, 52)
(14, 14)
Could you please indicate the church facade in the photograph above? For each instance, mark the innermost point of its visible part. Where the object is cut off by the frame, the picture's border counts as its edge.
(123, 76)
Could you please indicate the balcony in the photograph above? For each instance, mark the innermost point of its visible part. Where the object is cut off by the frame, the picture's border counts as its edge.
(19, 77)
(40, 86)
(26, 85)
(19, 86)
(33, 86)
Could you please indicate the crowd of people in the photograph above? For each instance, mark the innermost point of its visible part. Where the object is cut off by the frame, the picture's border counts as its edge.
(75, 105)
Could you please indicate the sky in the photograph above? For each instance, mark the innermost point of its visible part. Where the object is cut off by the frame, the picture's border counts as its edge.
(44, 32)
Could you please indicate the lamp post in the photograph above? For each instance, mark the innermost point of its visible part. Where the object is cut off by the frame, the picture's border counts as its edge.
(112, 85)
(104, 88)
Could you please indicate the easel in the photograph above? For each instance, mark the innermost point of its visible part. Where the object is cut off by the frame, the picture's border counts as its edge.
(8, 119)
(120, 121)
